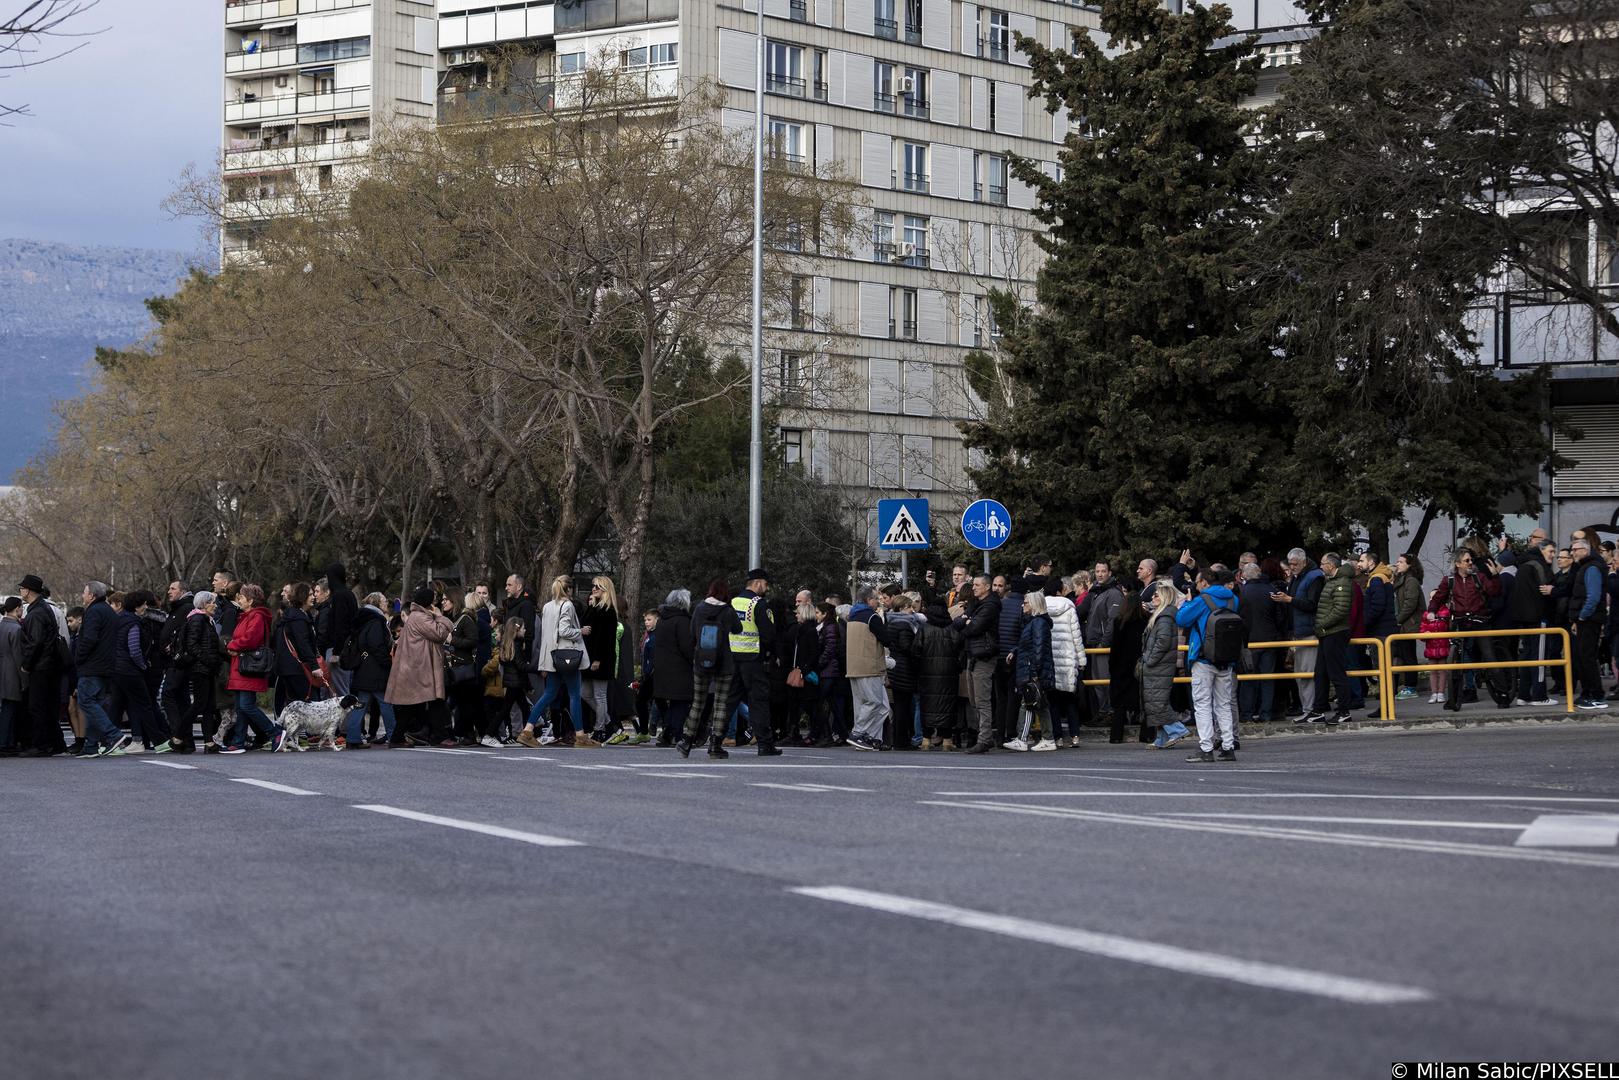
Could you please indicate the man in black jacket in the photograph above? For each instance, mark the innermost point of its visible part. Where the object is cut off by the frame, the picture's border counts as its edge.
(978, 621)
(95, 653)
(1529, 606)
(42, 656)
(342, 611)
(174, 695)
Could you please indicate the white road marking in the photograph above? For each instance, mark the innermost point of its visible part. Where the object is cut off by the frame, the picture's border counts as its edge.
(1509, 826)
(615, 768)
(688, 775)
(1150, 953)
(271, 786)
(1555, 830)
(1257, 795)
(444, 750)
(810, 787)
(947, 768)
(537, 839)
(167, 764)
(1389, 843)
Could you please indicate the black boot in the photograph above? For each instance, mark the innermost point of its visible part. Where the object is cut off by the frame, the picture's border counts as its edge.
(716, 748)
(683, 745)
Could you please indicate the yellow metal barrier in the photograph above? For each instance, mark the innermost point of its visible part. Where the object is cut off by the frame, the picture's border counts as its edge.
(1566, 663)
(1385, 694)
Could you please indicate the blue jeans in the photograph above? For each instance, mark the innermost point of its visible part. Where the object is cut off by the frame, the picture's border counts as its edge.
(555, 683)
(247, 708)
(354, 726)
(1171, 731)
(1257, 700)
(98, 726)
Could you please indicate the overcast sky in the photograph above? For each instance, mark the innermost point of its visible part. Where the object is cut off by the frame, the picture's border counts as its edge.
(111, 126)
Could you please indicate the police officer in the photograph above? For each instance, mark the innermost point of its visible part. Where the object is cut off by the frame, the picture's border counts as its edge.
(751, 648)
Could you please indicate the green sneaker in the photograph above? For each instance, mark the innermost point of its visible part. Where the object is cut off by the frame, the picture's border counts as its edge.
(163, 748)
(110, 751)
(619, 739)
(639, 740)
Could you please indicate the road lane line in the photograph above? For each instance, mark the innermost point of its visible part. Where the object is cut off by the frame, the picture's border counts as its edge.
(1055, 769)
(1387, 843)
(268, 785)
(167, 764)
(1256, 795)
(537, 839)
(1562, 830)
(1414, 822)
(810, 787)
(443, 750)
(1150, 953)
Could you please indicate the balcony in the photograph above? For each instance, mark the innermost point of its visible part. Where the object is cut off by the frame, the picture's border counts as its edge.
(885, 28)
(789, 162)
(250, 154)
(915, 181)
(249, 12)
(993, 48)
(913, 107)
(883, 251)
(907, 330)
(305, 7)
(483, 102)
(996, 194)
(913, 35)
(820, 91)
(255, 108)
(786, 85)
(882, 102)
(914, 255)
(237, 63)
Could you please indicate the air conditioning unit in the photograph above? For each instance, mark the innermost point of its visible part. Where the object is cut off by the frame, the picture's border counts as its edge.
(474, 56)
(907, 85)
(903, 251)
(455, 57)
(281, 81)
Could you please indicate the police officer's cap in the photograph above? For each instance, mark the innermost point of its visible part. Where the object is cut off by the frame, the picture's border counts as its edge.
(758, 573)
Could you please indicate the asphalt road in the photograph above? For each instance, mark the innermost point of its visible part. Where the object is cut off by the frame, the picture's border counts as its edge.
(1322, 908)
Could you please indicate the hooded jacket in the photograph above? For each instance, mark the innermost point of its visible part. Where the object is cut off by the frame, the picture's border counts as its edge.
(867, 638)
(1377, 614)
(1305, 589)
(719, 613)
(371, 637)
(938, 669)
(672, 655)
(343, 610)
(1193, 617)
(1034, 662)
(1408, 603)
(1158, 656)
(1067, 643)
(903, 628)
(1526, 605)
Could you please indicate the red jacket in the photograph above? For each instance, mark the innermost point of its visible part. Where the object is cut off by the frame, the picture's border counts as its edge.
(1466, 594)
(252, 630)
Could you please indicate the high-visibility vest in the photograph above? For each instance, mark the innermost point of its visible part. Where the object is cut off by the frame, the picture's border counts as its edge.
(745, 642)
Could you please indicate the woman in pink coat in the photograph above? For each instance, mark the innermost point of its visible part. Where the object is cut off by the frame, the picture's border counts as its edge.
(416, 680)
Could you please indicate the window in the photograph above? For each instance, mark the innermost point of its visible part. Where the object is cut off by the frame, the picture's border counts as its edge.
(792, 445)
(325, 178)
(882, 236)
(784, 69)
(994, 34)
(914, 158)
(570, 63)
(992, 105)
(989, 179)
(913, 249)
(885, 472)
(632, 58)
(902, 314)
(882, 81)
(800, 294)
(792, 377)
(913, 21)
(798, 10)
(1555, 246)
(884, 23)
(664, 54)
(348, 49)
(786, 142)
(913, 90)
(1608, 257)
(819, 88)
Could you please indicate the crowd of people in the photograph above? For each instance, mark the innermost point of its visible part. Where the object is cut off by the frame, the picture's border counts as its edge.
(983, 663)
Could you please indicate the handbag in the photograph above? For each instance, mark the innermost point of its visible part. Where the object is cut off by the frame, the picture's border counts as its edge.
(566, 661)
(257, 661)
(463, 673)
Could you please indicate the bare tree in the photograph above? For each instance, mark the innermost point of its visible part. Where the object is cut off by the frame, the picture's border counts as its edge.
(36, 35)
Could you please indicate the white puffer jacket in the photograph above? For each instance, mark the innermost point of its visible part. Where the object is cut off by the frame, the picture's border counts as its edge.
(1067, 643)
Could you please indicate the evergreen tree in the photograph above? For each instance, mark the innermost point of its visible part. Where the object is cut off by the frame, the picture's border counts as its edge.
(1157, 421)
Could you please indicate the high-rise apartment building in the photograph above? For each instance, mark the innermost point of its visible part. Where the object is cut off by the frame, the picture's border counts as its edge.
(305, 82)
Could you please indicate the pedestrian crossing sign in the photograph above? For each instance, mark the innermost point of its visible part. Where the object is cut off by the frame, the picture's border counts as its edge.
(902, 524)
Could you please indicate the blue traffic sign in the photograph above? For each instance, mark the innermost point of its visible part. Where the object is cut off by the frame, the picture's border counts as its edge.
(902, 524)
(986, 525)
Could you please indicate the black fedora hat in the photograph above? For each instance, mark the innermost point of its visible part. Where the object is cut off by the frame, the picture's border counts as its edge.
(32, 583)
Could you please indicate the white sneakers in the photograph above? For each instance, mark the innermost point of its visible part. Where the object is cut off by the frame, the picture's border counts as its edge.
(1015, 744)
(1044, 744)
(489, 741)
(547, 739)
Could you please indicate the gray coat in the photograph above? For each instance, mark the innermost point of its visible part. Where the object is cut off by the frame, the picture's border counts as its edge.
(13, 683)
(1158, 670)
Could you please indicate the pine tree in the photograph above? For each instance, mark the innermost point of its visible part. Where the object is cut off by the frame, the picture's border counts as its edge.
(1157, 421)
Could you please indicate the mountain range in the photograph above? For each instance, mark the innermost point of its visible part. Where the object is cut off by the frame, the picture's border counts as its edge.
(57, 303)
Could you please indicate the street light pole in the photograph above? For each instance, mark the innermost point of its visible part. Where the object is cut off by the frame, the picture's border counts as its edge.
(756, 446)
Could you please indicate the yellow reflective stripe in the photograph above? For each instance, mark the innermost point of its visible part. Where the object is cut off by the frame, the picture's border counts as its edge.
(747, 640)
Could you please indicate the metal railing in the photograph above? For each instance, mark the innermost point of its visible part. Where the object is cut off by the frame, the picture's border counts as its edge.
(784, 84)
(1566, 662)
(885, 28)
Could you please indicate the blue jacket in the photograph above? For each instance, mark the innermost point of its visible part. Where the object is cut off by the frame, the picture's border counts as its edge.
(1034, 660)
(1193, 616)
(1588, 610)
(1377, 614)
(1306, 593)
(1010, 630)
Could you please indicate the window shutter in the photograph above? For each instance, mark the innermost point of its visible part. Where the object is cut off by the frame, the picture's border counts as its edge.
(917, 462)
(1595, 472)
(857, 78)
(981, 104)
(776, 8)
(1009, 103)
(936, 24)
(876, 160)
(857, 17)
(884, 471)
(873, 307)
(1025, 25)
(884, 392)
(738, 54)
(826, 155)
(945, 106)
(918, 389)
(930, 315)
(943, 171)
(969, 29)
(944, 244)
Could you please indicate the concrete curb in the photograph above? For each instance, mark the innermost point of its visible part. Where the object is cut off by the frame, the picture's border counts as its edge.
(1477, 718)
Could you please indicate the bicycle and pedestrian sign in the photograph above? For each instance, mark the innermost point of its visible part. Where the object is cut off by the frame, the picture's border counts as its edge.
(986, 525)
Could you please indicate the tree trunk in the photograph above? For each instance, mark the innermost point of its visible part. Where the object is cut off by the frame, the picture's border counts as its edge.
(1420, 537)
(632, 545)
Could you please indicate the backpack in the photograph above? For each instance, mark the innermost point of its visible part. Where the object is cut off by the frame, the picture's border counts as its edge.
(708, 647)
(1223, 638)
(349, 657)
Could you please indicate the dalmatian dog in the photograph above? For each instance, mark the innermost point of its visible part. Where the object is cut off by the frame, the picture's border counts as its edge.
(320, 720)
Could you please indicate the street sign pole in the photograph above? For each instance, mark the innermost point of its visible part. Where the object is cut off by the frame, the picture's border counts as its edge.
(986, 564)
(904, 570)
